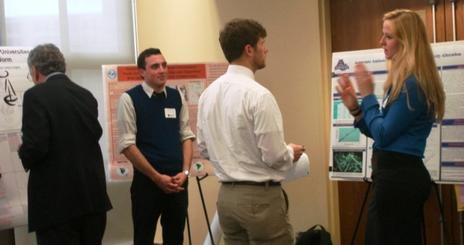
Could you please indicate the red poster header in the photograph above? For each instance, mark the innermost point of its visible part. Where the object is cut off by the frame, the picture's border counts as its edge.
(186, 71)
(175, 72)
(128, 73)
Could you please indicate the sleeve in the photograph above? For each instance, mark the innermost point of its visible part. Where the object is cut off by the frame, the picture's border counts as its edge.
(35, 132)
(200, 134)
(126, 122)
(185, 130)
(386, 128)
(268, 129)
(361, 125)
(89, 116)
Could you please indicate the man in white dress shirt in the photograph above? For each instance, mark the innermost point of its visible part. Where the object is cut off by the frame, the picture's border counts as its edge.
(240, 131)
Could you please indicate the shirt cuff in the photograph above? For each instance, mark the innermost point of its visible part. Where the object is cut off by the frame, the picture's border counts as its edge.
(192, 137)
(125, 141)
(292, 153)
(369, 101)
(187, 134)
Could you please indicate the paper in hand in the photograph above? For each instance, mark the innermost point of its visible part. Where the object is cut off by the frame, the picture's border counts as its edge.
(299, 169)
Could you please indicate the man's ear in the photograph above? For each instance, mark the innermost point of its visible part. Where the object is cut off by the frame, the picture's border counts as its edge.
(35, 74)
(141, 72)
(248, 50)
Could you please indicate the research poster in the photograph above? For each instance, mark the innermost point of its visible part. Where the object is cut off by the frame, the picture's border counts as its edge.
(189, 79)
(351, 151)
(14, 82)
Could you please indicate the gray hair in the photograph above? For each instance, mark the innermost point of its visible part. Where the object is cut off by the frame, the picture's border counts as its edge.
(47, 58)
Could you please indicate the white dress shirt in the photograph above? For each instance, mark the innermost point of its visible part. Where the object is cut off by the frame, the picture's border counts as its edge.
(239, 129)
(127, 119)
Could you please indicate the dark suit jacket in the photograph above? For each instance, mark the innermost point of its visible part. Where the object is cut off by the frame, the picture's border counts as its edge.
(60, 148)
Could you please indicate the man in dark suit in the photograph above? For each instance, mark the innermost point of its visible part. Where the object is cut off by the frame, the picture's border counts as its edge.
(67, 198)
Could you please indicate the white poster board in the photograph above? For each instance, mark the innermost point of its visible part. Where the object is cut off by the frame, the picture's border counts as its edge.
(13, 181)
(190, 79)
(351, 151)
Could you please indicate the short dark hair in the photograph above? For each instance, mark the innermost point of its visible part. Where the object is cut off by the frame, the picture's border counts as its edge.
(47, 58)
(147, 52)
(237, 34)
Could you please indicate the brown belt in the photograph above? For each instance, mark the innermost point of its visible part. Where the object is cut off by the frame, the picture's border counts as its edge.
(267, 183)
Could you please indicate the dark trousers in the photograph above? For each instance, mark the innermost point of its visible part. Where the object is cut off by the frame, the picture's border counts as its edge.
(85, 230)
(401, 185)
(149, 203)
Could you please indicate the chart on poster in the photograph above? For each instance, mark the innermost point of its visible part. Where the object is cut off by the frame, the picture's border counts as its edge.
(351, 151)
(13, 179)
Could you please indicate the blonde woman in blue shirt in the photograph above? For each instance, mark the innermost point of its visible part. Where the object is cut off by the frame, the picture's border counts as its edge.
(414, 99)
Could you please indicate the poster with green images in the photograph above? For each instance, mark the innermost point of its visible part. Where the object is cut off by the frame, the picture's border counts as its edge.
(351, 151)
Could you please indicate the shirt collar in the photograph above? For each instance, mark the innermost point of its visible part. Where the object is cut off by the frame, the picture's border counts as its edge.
(239, 69)
(149, 90)
(52, 74)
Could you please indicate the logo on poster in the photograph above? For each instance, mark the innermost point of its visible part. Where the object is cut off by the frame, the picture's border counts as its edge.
(341, 65)
(122, 171)
(10, 97)
(112, 74)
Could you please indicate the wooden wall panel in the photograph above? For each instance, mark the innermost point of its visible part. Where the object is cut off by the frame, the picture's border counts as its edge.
(460, 19)
(351, 195)
(355, 25)
(7, 237)
(440, 20)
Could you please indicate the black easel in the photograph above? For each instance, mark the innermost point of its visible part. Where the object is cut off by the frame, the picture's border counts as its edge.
(188, 228)
(204, 207)
(361, 211)
(442, 215)
(424, 236)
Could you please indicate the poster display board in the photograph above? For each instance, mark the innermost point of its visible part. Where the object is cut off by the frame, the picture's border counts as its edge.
(13, 179)
(190, 79)
(351, 151)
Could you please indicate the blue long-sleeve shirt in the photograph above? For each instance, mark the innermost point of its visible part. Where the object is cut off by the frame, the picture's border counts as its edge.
(403, 126)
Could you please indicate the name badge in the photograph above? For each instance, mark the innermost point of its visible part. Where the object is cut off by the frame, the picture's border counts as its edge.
(170, 113)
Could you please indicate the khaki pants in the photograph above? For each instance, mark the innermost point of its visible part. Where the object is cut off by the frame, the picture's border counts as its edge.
(254, 215)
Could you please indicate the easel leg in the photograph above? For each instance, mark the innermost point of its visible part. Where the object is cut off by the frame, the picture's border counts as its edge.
(461, 242)
(360, 213)
(204, 209)
(424, 233)
(188, 228)
(443, 229)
